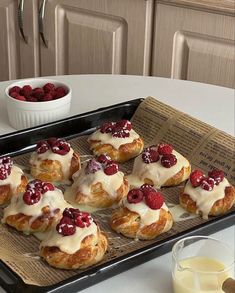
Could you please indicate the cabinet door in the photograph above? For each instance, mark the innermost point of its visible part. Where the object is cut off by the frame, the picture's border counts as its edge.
(194, 45)
(18, 59)
(96, 36)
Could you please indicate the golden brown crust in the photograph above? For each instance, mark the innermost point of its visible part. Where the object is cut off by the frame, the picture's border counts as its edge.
(28, 224)
(220, 207)
(90, 253)
(51, 170)
(128, 223)
(124, 153)
(99, 198)
(178, 178)
(6, 193)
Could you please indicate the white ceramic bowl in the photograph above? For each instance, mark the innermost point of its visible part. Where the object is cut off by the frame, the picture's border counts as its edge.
(23, 114)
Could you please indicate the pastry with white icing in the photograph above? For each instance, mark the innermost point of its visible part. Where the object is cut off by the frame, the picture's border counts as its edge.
(118, 140)
(75, 243)
(37, 209)
(207, 196)
(54, 160)
(99, 183)
(143, 215)
(161, 165)
(12, 180)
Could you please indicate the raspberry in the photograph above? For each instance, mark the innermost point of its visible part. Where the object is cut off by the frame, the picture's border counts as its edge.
(150, 156)
(92, 166)
(146, 188)
(168, 160)
(53, 94)
(26, 90)
(66, 227)
(35, 184)
(52, 141)
(31, 196)
(71, 213)
(217, 175)
(107, 127)
(111, 168)
(60, 147)
(6, 164)
(32, 99)
(38, 93)
(154, 200)
(46, 186)
(207, 184)
(196, 178)
(83, 220)
(135, 195)
(164, 148)
(47, 97)
(121, 134)
(122, 125)
(21, 98)
(48, 87)
(14, 89)
(103, 159)
(42, 147)
(14, 95)
(60, 92)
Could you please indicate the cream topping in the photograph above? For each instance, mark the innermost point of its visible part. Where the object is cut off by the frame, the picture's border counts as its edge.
(116, 142)
(54, 199)
(65, 160)
(110, 183)
(156, 172)
(69, 244)
(147, 215)
(14, 179)
(205, 199)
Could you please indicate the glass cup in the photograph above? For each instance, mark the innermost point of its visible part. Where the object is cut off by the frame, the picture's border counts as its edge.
(201, 264)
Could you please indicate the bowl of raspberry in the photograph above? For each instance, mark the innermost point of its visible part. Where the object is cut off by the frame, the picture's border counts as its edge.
(36, 101)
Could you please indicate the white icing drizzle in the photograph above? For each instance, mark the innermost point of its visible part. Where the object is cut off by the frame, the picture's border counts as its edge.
(147, 215)
(69, 244)
(65, 160)
(110, 183)
(116, 142)
(54, 199)
(205, 199)
(14, 179)
(156, 172)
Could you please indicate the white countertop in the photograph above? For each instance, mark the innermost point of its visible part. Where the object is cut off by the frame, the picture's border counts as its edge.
(211, 104)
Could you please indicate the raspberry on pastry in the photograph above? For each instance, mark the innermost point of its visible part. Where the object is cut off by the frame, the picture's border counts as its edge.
(37, 209)
(54, 160)
(161, 165)
(117, 140)
(207, 196)
(143, 215)
(99, 183)
(75, 243)
(12, 180)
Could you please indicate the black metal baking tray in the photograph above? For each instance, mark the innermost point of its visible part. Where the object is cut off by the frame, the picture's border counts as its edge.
(20, 142)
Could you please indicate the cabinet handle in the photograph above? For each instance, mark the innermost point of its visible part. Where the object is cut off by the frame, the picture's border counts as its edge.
(41, 26)
(20, 21)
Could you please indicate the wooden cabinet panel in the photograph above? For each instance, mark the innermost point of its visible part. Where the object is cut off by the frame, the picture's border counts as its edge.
(18, 59)
(203, 52)
(97, 36)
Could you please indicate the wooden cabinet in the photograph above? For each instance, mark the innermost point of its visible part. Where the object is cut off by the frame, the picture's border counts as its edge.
(97, 36)
(192, 44)
(18, 59)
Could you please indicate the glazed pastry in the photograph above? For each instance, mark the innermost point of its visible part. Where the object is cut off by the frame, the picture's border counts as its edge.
(54, 160)
(99, 183)
(207, 196)
(12, 180)
(37, 209)
(117, 140)
(160, 165)
(75, 243)
(144, 214)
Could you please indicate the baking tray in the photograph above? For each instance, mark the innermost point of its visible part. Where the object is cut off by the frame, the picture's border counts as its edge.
(20, 142)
